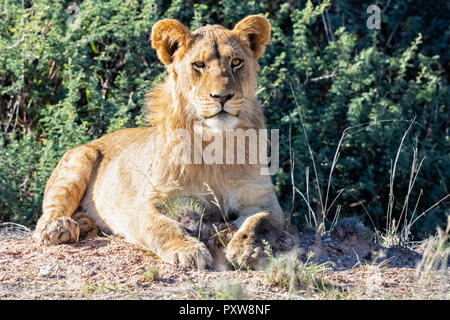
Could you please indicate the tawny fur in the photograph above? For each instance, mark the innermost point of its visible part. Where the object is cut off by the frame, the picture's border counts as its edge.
(118, 181)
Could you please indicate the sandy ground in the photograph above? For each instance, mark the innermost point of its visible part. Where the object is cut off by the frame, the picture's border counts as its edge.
(106, 268)
(110, 268)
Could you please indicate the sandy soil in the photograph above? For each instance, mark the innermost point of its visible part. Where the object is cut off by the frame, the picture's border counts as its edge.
(110, 268)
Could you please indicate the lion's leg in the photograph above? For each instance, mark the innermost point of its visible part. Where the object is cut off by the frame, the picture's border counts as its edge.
(166, 238)
(246, 248)
(62, 196)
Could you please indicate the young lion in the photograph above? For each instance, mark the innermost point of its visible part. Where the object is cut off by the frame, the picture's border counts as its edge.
(118, 182)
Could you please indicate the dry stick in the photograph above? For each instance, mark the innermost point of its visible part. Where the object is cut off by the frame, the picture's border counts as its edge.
(336, 216)
(345, 134)
(325, 76)
(393, 228)
(218, 235)
(337, 196)
(15, 106)
(392, 178)
(333, 165)
(307, 189)
(368, 214)
(413, 177)
(410, 185)
(294, 188)
(434, 205)
(307, 203)
(291, 160)
(336, 156)
(388, 218)
(17, 116)
(309, 147)
(417, 203)
(364, 126)
(216, 202)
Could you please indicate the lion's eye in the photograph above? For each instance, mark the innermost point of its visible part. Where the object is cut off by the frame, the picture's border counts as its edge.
(199, 64)
(236, 62)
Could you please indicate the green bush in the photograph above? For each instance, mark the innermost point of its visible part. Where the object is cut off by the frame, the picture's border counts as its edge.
(67, 78)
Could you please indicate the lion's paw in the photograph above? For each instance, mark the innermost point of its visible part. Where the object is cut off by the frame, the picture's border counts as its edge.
(245, 253)
(87, 226)
(58, 231)
(189, 254)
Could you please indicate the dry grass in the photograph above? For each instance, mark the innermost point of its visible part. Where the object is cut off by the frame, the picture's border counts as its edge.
(225, 289)
(397, 232)
(230, 290)
(435, 256)
(287, 271)
(152, 273)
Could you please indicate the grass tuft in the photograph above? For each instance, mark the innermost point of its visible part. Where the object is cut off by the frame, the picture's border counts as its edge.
(225, 290)
(436, 254)
(90, 288)
(288, 271)
(151, 274)
(230, 290)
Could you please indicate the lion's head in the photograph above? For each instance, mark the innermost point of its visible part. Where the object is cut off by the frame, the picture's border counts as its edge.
(211, 72)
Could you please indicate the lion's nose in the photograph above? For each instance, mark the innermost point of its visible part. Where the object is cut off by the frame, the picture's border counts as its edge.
(222, 97)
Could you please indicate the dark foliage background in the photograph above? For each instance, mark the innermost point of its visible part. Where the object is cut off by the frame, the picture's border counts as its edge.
(71, 73)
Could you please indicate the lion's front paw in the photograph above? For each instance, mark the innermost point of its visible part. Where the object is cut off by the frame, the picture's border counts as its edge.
(244, 251)
(188, 254)
(57, 231)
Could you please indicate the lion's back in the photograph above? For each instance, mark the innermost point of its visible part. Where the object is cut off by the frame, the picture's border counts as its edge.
(113, 144)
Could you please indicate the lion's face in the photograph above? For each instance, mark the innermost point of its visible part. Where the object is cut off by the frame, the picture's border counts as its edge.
(219, 77)
(213, 69)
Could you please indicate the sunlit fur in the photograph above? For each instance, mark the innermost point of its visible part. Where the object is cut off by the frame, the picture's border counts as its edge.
(119, 180)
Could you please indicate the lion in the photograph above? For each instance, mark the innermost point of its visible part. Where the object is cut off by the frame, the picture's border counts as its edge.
(118, 182)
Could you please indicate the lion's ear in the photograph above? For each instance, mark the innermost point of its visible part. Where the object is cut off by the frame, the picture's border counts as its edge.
(256, 31)
(168, 37)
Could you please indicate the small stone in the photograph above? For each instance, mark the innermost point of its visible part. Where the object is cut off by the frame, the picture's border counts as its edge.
(45, 271)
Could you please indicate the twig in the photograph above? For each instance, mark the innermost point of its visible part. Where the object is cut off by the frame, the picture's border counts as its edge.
(434, 205)
(309, 147)
(325, 76)
(392, 178)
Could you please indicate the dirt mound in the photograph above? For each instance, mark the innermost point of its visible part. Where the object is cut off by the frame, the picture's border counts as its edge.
(352, 252)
